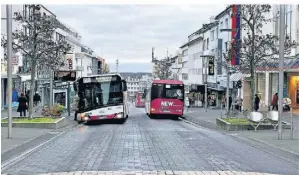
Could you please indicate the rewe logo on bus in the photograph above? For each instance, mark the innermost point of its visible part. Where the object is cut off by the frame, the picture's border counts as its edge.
(166, 103)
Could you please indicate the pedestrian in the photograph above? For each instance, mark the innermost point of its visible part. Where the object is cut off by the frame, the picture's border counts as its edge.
(36, 100)
(256, 102)
(27, 97)
(230, 101)
(223, 101)
(75, 106)
(187, 103)
(274, 102)
(22, 105)
(239, 103)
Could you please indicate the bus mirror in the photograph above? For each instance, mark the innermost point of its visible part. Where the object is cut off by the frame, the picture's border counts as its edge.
(124, 85)
(75, 86)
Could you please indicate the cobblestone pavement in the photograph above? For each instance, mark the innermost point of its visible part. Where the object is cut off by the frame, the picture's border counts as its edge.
(143, 144)
(158, 173)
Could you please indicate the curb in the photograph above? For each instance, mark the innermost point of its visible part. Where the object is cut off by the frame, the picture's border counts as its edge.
(24, 154)
(243, 139)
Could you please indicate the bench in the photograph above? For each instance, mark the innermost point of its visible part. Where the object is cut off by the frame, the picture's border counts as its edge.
(273, 117)
(256, 118)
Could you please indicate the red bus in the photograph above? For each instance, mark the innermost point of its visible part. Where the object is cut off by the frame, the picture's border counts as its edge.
(139, 100)
(165, 97)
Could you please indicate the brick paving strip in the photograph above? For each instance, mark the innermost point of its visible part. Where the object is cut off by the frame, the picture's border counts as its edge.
(168, 172)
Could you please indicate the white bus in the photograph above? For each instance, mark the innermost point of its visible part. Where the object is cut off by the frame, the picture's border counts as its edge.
(101, 97)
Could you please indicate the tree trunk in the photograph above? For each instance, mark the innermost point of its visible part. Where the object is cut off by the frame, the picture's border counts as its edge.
(252, 85)
(32, 88)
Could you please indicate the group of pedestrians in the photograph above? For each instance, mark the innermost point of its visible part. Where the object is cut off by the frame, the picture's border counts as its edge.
(24, 102)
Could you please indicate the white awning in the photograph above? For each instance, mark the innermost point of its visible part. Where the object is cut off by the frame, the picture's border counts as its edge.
(238, 76)
(25, 77)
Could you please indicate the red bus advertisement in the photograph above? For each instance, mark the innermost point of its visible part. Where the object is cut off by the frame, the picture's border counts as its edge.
(139, 101)
(165, 97)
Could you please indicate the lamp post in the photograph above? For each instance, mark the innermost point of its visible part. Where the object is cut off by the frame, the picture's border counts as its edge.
(205, 60)
(227, 73)
(9, 66)
(281, 65)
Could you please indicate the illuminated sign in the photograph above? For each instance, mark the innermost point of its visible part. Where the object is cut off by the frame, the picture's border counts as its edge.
(65, 76)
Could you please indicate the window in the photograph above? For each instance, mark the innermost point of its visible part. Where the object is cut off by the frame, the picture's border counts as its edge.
(226, 23)
(288, 31)
(167, 91)
(207, 43)
(185, 52)
(217, 33)
(213, 35)
(226, 46)
(59, 37)
(204, 45)
(221, 25)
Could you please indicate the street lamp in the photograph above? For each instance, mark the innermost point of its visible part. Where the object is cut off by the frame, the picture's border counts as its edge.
(281, 65)
(206, 58)
(227, 72)
(9, 66)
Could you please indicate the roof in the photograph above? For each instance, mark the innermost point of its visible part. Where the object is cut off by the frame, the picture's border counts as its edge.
(168, 82)
(191, 42)
(223, 12)
(205, 27)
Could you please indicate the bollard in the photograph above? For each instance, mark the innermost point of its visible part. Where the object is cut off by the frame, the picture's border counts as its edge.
(221, 110)
(292, 129)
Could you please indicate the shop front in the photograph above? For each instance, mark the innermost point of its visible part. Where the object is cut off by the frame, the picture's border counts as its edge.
(215, 93)
(16, 89)
(293, 88)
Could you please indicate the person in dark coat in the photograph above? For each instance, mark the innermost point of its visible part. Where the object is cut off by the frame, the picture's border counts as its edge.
(22, 105)
(256, 102)
(274, 102)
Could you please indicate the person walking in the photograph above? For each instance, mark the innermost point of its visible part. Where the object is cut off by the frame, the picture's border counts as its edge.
(27, 97)
(22, 105)
(239, 103)
(36, 100)
(256, 103)
(274, 102)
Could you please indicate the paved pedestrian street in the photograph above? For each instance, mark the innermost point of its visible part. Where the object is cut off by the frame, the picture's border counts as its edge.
(148, 146)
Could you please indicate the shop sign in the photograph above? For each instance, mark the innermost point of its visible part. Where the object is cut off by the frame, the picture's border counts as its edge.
(185, 76)
(186, 89)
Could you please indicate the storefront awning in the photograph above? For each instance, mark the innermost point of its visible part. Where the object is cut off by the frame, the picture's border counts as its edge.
(289, 65)
(25, 77)
(14, 76)
(238, 76)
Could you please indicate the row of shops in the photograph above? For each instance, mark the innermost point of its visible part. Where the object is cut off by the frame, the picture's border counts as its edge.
(21, 84)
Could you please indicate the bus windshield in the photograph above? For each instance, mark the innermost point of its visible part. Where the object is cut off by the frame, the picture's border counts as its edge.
(97, 94)
(172, 91)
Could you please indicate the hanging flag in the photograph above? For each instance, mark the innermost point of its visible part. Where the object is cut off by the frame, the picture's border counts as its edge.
(236, 34)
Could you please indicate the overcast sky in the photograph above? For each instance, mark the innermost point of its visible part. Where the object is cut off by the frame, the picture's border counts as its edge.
(128, 32)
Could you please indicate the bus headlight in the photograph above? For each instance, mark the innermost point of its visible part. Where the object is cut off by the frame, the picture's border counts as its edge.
(119, 115)
(153, 109)
(82, 116)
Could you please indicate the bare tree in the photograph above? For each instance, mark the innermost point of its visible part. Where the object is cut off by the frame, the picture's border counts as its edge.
(162, 67)
(255, 47)
(163, 71)
(35, 41)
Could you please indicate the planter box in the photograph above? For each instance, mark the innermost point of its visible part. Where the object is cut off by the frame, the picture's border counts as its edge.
(222, 124)
(58, 124)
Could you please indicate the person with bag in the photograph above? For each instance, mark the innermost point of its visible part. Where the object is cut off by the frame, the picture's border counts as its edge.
(22, 105)
(274, 102)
